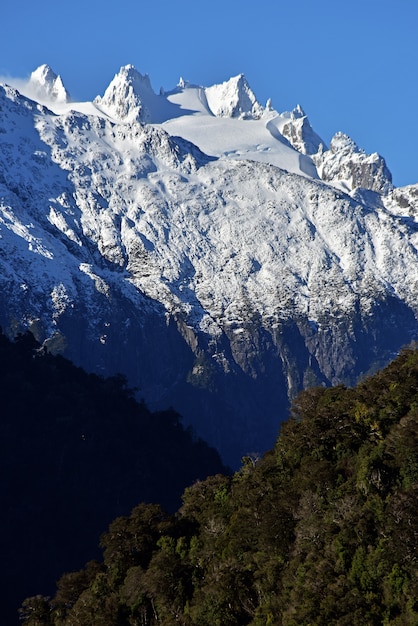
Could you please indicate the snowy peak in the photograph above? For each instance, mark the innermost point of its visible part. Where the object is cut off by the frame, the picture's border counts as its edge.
(349, 166)
(343, 144)
(208, 118)
(47, 85)
(126, 96)
(233, 98)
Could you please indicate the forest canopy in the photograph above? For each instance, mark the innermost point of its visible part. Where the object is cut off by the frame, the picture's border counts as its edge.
(321, 530)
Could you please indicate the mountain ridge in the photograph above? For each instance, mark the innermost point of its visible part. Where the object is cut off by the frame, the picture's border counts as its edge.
(209, 242)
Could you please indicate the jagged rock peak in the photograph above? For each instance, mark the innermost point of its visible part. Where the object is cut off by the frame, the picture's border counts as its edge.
(347, 164)
(47, 85)
(233, 98)
(299, 132)
(123, 99)
(343, 144)
(297, 112)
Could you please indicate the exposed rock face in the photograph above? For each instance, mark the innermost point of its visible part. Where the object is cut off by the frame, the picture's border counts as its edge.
(347, 163)
(300, 134)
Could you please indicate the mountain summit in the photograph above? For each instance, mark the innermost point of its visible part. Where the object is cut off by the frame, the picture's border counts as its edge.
(125, 97)
(347, 164)
(233, 98)
(215, 252)
(48, 86)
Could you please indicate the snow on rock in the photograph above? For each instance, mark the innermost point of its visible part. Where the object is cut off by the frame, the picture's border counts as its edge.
(222, 227)
(297, 129)
(125, 97)
(349, 166)
(233, 98)
(223, 120)
(196, 234)
(130, 98)
(240, 274)
(48, 86)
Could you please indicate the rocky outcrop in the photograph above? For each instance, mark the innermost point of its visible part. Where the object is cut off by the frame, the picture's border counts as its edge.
(347, 164)
(299, 132)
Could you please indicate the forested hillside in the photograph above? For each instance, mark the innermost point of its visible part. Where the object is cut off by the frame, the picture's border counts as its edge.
(322, 530)
(76, 451)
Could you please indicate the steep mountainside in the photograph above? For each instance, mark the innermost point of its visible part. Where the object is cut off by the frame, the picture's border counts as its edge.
(219, 237)
(76, 451)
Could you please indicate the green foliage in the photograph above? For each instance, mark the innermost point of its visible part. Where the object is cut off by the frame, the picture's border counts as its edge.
(322, 530)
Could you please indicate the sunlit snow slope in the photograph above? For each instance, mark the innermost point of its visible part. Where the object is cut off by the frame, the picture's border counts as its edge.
(187, 240)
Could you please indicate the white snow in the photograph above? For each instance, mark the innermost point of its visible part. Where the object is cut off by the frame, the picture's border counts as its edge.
(217, 239)
(223, 120)
(233, 98)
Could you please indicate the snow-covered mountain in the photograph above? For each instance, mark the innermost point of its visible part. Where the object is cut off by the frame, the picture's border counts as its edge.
(213, 250)
(47, 86)
(349, 167)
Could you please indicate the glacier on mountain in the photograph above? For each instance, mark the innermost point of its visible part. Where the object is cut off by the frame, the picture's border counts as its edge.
(214, 251)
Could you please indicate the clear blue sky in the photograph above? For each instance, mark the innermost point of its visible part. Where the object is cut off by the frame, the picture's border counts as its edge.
(351, 65)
